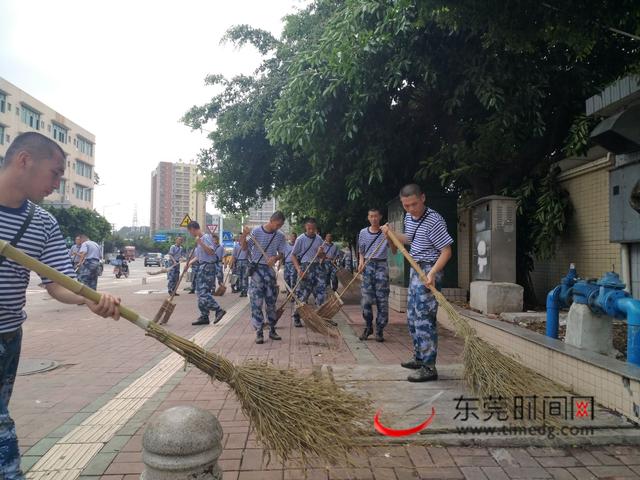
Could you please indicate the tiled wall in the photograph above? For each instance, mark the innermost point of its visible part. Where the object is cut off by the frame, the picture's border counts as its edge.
(612, 390)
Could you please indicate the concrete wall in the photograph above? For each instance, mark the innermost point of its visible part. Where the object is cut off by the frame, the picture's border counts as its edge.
(12, 125)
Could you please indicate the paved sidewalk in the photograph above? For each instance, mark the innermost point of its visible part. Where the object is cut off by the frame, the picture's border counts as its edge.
(104, 360)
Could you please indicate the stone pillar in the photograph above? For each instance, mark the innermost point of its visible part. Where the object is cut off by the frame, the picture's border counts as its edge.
(589, 331)
(496, 297)
(182, 443)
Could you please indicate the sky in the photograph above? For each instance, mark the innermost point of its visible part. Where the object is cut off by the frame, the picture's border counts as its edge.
(127, 71)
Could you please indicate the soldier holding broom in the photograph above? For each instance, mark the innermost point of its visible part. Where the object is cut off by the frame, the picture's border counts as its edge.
(330, 259)
(307, 253)
(426, 233)
(264, 244)
(32, 169)
(290, 275)
(240, 265)
(373, 246)
(176, 253)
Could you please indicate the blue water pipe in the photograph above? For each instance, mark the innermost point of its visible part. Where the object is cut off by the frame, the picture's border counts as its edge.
(604, 296)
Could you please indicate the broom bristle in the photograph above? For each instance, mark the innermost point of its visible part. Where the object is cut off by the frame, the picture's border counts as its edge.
(490, 373)
(316, 323)
(330, 308)
(291, 414)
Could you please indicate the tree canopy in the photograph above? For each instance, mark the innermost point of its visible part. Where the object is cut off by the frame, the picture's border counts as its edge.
(75, 220)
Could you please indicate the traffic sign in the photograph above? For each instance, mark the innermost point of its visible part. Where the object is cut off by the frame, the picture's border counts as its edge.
(227, 236)
(160, 237)
(185, 221)
(212, 228)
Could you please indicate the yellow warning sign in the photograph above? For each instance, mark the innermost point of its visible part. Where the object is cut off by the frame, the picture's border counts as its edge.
(185, 221)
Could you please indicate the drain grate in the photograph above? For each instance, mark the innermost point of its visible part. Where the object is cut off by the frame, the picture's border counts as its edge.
(31, 366)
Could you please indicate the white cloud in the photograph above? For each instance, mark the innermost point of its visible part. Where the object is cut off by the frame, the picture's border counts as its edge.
(127, 71)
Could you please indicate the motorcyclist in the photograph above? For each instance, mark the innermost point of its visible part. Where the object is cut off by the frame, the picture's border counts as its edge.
(121, 263)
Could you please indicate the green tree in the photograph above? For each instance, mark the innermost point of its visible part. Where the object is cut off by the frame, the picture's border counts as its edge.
(74, 220)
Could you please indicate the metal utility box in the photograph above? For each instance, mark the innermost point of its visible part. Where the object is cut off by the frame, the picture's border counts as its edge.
(624, 200)
(494, 239)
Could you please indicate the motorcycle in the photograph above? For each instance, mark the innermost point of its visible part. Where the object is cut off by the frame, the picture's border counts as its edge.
(121, 268)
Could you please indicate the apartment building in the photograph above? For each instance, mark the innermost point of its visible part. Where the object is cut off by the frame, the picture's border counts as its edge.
(20, 112)
(174, 195)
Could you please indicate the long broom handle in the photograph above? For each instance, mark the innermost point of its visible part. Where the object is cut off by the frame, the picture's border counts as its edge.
(69, 283)
(173, 294)
(375, 250)
(423, 276)
(292, 291)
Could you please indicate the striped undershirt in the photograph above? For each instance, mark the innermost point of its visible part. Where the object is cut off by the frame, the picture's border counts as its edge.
(42, 240)
(368, 242)
(310, 245)
(238, 253)
(263, 238)
(330, 251)
(288, 252)
(429, 240)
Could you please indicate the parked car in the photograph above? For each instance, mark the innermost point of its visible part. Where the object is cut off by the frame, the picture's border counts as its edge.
(153, 259)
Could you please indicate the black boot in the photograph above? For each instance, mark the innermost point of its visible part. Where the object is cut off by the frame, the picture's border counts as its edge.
(201, 321)
(297, 323)
(426, 373)
(365, 334)
(259, 337)
(273, 335)
(412, 364)
(379, 336)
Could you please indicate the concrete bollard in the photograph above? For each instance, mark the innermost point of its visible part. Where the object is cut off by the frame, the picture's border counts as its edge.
(182, 443)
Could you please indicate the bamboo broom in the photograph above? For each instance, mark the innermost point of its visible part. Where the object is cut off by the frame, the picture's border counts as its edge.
(312, 320)
(489, 373)
(332, 306)
(167, 307)
(290, 413)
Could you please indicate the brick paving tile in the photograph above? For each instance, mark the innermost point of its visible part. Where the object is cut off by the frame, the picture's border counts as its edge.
(232, 453)
(605, 459)
(128, 457)
(560, 474)
(584, 457)
(622, 450)
(270, 475)
(629, 459)
(230, 475)
(475, 461)
(559, 462)
(390, 462)
(131, 477)
(440, 473)
(236, 440)
(419, 456)
(229, 464)
(526, 472)
(111, 477)
(494, 473)
(384, 474)
(311, 474)
(473, 473)
(546, 452)
(133, 445)
(350, 474)
(468, 451)
(125, 468)
(252, 459)
(405, 473)
(513, 457)
(612, 471)
(582, 473)
(441, 457)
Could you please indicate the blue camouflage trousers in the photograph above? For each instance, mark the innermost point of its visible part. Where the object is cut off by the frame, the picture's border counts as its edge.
(290, 274)
(194, 276)
(205, 285)
(375, 289)
(312, 283)
(88, 273)
(220, 272)
(242, 267)
(422, 309)
(263, 290)
(172, 278)
(330, 275)
(10, 344)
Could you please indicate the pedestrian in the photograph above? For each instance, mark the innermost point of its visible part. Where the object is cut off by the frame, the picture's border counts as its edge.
(219, 253)
(263, 285)
(89, 264)
(304, 253)
(194, 275)
(329, 263)
(290, 274)
(175, 254)
(426, 232)
(206, 277)
(32, 169)
(240, 266)
(74, 252)
(373, 246)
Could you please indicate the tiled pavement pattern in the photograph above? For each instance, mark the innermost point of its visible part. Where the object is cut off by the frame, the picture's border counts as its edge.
(121, 362)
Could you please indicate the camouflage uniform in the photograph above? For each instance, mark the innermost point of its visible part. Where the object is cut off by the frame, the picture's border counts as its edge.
(290, 274)
(172, 278)
(88, 273)
(241, 267)
(375, 288)
(204, 287)
(330, 275)
(9, 453)
(422, 309)
(195, 266)
(263, 291)
(313, 282)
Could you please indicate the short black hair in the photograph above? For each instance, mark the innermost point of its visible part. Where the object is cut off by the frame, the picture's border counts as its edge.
(38, 146)
(277, 216)
(311, 220)
(375, 209)
(410, 189)
(193, 225)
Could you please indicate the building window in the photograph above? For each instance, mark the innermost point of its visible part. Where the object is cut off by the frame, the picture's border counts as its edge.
(83, 193)
(85, 146)
(59, 133)
(3, 102)
(63, 187)
(30, 117)
(84, 169)
(1, 134)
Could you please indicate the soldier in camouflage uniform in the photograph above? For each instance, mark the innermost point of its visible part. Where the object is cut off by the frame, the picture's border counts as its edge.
(373, 247)
(240, 268)
(290, 274)
(89, 262)
(426, 232)
(206, 279)
(176, 253)
(219, 250)
(304, 253)
(331, 257)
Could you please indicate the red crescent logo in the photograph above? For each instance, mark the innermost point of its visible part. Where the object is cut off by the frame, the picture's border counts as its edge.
(390, 432)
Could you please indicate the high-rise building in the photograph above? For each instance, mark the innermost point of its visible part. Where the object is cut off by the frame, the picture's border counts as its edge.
(20, 113)
(262, 213)
(174, 195)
